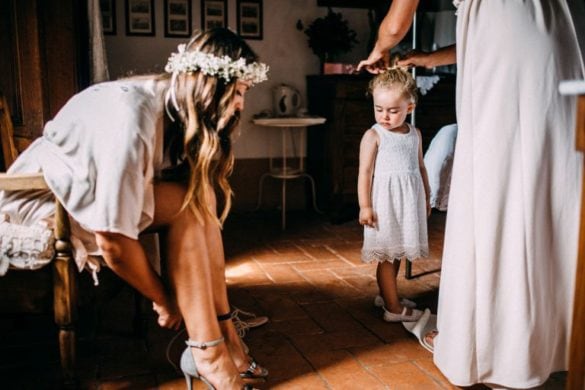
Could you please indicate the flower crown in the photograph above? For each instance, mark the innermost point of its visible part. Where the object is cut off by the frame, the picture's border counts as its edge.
(222, 67)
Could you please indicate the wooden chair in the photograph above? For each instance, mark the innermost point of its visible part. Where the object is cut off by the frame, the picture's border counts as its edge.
(55, 284)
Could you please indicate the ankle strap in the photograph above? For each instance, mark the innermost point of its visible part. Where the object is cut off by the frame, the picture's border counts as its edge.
(227, 316)
(205, 344)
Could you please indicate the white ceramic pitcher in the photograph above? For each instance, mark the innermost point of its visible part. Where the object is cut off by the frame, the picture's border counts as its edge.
(286, 100)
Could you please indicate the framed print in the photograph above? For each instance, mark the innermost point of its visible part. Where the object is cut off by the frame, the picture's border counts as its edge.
(213, 14)
(177, 18)
(249, 17)
(108, 11)
(140, 17)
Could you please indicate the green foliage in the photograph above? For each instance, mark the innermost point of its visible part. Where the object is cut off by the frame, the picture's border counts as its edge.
(330, 36)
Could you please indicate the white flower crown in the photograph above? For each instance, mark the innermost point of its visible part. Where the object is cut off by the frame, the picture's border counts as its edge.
(222, 67)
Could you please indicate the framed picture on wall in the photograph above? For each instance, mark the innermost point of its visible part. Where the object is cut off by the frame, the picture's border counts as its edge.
(177, 18)
(249, 18)
(213, 14)
(108, 10)
(140, 17)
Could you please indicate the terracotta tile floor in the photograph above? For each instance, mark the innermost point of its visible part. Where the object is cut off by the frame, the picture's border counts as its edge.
(324, 332)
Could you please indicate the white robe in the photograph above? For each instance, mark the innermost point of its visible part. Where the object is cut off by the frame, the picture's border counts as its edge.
(99, 156)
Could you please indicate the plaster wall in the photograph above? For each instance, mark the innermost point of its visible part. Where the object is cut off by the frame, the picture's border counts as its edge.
(283, 48)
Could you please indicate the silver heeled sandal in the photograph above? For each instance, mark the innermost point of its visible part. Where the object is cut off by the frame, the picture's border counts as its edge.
(189, 367)
(250, 373)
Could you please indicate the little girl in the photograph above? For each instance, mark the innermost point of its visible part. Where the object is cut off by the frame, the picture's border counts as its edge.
(392, 188)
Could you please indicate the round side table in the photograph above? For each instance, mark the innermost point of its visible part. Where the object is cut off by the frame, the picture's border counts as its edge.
(286, 172)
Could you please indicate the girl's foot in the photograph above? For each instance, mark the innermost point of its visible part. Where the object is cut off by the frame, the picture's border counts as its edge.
(168, 316)
(379, 302)
(406, 315)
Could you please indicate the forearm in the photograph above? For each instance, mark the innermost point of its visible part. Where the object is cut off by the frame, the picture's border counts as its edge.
(364, 190)
(444, 56)
(126, 257)
(396, 24)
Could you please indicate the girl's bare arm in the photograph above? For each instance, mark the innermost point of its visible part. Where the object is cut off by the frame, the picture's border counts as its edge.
(368, 151)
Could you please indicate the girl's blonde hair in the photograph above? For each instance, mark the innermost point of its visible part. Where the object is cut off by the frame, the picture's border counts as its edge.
(396, 78)
(207, 125)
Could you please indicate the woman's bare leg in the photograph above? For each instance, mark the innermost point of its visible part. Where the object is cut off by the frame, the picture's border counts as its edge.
(193, 276)
(222, 306)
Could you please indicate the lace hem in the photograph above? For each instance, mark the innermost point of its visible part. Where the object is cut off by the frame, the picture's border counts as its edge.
(381, 255)
(25, 247)
(425, 83)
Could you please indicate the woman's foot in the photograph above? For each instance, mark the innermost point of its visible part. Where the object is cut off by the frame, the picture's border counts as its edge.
(246, 365)
(168, 316)
(216, 366)
(429, 340)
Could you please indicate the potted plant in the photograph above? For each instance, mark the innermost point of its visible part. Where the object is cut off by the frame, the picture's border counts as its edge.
(330, 36)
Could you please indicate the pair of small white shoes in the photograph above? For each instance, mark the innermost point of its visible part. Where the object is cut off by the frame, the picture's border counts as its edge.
(402, 317)
(423, 324)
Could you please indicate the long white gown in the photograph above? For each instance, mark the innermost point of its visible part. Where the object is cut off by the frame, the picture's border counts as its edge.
(507, 282)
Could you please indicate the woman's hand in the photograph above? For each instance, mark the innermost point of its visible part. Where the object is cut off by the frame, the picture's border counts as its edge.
(168, 316)
(377, 62)
(367, 217)
(415, 59)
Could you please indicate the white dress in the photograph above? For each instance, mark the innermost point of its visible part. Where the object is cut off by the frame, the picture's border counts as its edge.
(398, 200)
(507, 281)
(99, 156)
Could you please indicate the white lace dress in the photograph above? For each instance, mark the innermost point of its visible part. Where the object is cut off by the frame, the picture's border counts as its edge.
(398, 199)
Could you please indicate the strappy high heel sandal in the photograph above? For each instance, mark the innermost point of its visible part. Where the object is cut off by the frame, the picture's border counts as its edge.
(189, 367)
(250, 374)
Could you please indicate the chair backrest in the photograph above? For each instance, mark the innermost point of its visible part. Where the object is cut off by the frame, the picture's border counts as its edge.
(9, 152)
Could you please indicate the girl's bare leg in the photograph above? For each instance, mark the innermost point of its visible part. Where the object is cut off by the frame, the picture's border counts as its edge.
(386, 275)
(193, 275)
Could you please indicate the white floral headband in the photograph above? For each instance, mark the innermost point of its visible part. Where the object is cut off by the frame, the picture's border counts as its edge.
(184, 61)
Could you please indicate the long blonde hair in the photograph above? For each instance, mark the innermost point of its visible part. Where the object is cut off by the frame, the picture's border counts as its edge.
(207, 124)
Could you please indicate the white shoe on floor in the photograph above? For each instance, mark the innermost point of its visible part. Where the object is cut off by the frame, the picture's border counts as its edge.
(402, 317)
(423, 326)
(244, 320)
(379, 302)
